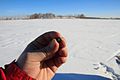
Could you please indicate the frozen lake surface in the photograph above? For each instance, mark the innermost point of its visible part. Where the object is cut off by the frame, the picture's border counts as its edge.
(89, 41)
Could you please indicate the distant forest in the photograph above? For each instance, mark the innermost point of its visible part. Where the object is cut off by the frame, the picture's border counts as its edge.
(52, 16)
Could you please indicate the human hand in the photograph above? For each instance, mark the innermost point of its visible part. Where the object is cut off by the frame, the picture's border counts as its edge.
(43, 56)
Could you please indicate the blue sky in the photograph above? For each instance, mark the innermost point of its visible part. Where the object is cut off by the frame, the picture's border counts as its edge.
(108, 8)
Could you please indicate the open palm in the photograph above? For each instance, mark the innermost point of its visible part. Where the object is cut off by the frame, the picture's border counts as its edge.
(43, 56)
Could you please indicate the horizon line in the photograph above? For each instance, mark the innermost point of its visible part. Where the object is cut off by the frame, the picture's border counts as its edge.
(68, 14)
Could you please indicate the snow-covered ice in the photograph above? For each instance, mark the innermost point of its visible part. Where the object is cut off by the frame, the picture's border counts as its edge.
(89, 41)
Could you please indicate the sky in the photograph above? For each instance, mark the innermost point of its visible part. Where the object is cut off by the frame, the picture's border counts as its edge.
(103, 8)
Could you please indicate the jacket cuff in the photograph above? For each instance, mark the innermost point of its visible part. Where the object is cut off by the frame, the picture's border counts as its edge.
(13, 72)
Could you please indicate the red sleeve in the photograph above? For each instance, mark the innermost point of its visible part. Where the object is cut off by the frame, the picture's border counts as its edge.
(13, 72)
(2, 75)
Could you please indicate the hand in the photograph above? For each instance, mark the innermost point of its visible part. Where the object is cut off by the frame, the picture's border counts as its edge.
(43, 56)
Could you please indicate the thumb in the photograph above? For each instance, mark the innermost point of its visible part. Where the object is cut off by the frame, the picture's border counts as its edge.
(44, 53)
(50, 50)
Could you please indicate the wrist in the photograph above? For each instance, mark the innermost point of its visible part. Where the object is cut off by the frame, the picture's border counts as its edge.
(12, 71)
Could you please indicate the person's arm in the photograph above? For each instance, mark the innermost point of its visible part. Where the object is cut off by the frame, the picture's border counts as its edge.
(13, 72)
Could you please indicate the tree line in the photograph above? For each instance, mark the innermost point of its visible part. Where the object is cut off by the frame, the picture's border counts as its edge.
(43, 16)
(52, 16)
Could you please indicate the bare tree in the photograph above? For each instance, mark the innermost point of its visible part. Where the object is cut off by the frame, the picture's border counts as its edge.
(34, 16)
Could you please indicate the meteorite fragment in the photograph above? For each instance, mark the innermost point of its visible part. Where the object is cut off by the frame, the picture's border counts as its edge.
(58, 39)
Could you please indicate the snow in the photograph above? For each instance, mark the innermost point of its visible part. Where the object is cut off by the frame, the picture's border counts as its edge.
(89, 41)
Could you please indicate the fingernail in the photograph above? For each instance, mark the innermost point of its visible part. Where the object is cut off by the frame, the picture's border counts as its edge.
(52, 44)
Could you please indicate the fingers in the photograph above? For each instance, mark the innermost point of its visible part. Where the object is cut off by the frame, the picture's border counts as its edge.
(62, 43)
(61, 57)
(51, 49)
(50, 63)
(59, 61)
(59, 49)
(44, 53)
(63, 52)
(53, 64)
(45, 38)
(49, 45)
